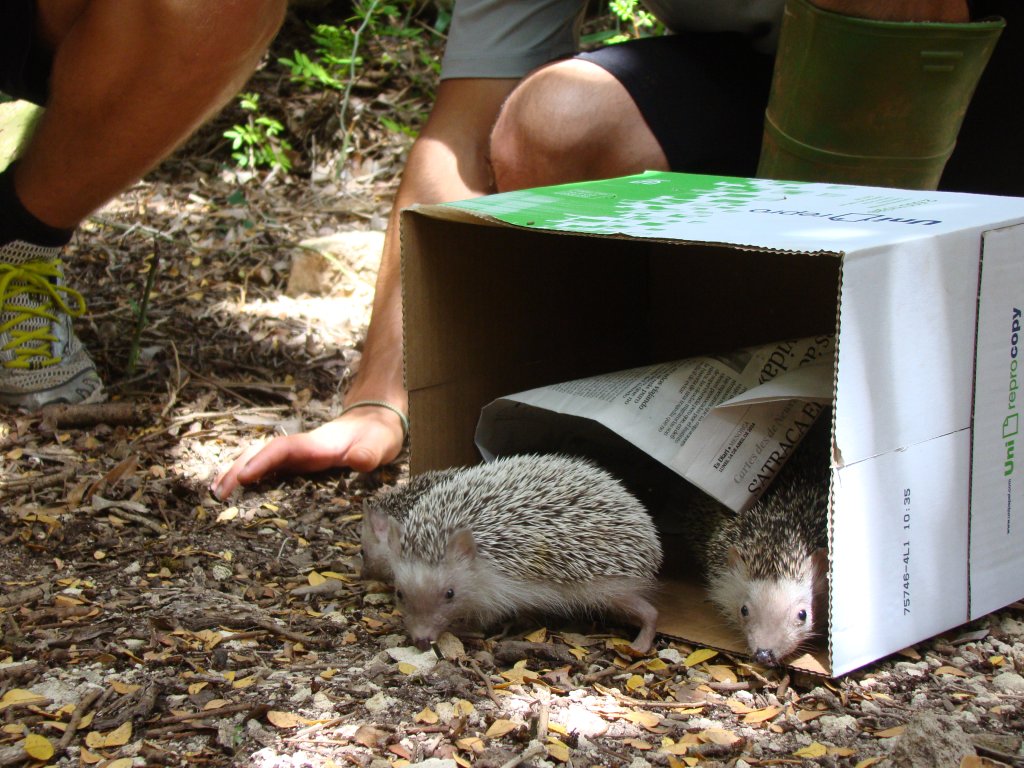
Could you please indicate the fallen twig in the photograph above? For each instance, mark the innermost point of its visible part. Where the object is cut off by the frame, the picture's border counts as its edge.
(534, 750)
(648, 704)
(68, 415)
(69, 732)
(21, 596)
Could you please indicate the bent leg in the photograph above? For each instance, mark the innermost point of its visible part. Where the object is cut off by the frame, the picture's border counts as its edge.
(570, 121)
(684, 102)
(129, 83)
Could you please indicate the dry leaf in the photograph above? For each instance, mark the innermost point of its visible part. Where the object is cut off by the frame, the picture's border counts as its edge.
(738, 707)
(947, 670)
(37, 747)
(557, 750)
(869, 761)
(538, 636)
(655, 665)
(398, 749)
(698, 656)
(427, 715)
(227, 514)
(812, 750)
(721, 673)
(315, 579)
(634, 682)
(121, 762)
(499, 728)
(115, 738)
(761, 715)
(281, 719)
(215, 704)
(720, 736)
(21, 697)
(670, 747)
(644, 718)
(124, 688)
(245, 682)
(472, 744)
(638, 744)
(806, 715)
(889, 733)
(370, 737)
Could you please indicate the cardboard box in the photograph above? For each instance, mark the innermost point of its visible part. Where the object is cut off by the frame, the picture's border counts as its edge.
(924, 291)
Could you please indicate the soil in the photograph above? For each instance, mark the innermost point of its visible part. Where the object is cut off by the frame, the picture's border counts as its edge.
(143, 622)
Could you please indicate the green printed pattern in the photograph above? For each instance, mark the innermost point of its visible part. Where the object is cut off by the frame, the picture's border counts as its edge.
(645, 205)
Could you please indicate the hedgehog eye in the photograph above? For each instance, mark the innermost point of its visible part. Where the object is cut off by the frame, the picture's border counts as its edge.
(398, 594)
(801, 615)
(744, 611)
(449, 594)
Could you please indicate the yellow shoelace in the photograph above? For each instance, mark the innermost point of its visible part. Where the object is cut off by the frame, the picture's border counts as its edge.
(37, 279)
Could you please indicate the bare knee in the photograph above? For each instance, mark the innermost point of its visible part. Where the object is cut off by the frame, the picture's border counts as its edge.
(542, 130)
(570, 121)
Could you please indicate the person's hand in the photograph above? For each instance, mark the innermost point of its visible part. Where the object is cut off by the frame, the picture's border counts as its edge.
(363, 439)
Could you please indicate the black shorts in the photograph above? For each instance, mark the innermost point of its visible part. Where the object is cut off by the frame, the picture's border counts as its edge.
(704, 95)
(24, 60)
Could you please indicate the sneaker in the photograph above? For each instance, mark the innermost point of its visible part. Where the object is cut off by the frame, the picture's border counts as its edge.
(41, 359)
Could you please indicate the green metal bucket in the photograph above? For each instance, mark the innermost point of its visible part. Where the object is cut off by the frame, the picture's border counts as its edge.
(858, 101)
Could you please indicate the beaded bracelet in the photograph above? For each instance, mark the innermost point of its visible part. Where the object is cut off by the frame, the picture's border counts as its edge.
(364, 403)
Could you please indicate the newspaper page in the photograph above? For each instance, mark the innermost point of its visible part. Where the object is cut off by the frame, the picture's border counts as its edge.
(725, 423)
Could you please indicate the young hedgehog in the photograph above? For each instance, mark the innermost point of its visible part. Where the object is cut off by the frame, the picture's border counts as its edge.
(396, 503)
(766, 567)
(551, 534)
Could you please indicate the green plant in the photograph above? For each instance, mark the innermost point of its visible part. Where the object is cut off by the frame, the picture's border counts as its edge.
(627, 21)
(257, 142)
(383, 33)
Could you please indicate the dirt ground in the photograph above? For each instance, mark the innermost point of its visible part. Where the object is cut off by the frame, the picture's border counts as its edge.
(143, 622)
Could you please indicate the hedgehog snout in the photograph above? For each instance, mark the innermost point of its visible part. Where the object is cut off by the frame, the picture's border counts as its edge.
(766, 656)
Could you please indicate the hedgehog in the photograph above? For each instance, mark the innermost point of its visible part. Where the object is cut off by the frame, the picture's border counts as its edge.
(394, 502)
(548, 534)
(766, 567)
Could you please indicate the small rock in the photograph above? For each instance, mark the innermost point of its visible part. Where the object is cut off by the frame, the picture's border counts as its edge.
(1008, 682)
(434, 762)
(315, 270)
(929, 741)
(379, 703)
(835, 727)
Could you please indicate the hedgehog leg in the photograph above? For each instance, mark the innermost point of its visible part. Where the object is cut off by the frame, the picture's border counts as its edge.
(640, 611)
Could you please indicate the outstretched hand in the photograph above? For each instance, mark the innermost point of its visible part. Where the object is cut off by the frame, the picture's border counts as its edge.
(362, 439)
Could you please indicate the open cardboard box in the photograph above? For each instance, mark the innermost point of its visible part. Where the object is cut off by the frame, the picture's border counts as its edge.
(924, 291)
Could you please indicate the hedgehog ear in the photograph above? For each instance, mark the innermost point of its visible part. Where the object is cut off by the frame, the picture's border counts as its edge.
(461, 545)
(735, 560)
(380, 522)
(393, 536)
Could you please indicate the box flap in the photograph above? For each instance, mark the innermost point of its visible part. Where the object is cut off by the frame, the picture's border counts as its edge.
(906, 334)
(780, 215)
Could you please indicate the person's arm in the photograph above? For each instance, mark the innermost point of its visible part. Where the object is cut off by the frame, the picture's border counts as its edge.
(447, 162)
